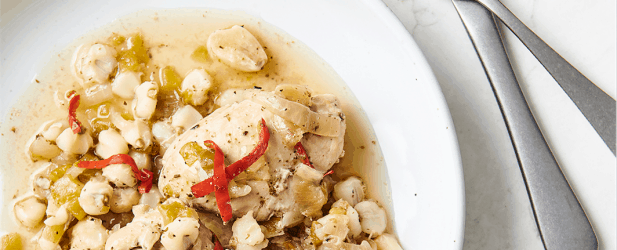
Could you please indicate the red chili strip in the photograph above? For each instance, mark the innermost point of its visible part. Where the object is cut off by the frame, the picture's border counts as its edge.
(239, 166)
(203, 188)
(217, 244)
(146, 181)
(144, 175)
(207, 186)
(328, 173)
(73, 122)
(302, 152)
(220, 182)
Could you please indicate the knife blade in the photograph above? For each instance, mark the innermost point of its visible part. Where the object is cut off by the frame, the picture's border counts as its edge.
(597, 106)
(559, 216)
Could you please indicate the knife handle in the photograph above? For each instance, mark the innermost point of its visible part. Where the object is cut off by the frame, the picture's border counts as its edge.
(560, 217)
(597, 106)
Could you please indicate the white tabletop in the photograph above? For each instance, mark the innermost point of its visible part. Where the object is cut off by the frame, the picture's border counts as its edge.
(499, 214)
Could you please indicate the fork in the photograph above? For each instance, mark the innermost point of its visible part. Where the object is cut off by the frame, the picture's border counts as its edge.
(595, 104)
(560, 217)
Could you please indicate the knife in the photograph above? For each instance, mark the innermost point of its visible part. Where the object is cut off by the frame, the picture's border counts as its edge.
(559, 215)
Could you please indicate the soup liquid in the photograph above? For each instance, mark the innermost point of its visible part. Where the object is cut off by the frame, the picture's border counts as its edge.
(172, 36)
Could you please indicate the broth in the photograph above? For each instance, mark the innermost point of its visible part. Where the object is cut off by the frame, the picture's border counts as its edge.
(172, 36)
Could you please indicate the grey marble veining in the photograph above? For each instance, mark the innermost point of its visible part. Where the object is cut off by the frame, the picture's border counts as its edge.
(499, 214)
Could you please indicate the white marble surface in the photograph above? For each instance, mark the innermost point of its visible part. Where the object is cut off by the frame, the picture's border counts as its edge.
(499, 214)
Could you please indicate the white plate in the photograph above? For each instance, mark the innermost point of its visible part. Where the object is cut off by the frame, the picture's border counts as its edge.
(366, 45)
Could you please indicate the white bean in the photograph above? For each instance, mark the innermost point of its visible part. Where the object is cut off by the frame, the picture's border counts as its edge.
(355, 228)
(61, 216)
(238, 48)
(71, 143)
(142, 160)
(95, 196)
(333, 226)
(181, 234)
(387, 242)
(89, 234)
(120, 175)
(162, 131)
(247, 231)
(41, 144)
(93, 64)
(141, 233)
(184, 118)
(30, 211)
(111, 143)
(145, 96)
(125, 83)
(137, 133)
(45, 244)
(195, 87)
(97, 94)
(41, 148)
(123, 199)
(53, 131)
(39, 179)
(364, 245)
(164, 134)
(140, 209)
(259, 246)
(52, 207)
(372, 218)
(152, 198)
(350, 190)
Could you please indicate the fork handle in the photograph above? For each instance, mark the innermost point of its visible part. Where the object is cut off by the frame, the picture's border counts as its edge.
(560, 217)
(595, 104)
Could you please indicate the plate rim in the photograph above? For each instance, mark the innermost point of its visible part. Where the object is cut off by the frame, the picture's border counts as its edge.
(398, 28)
